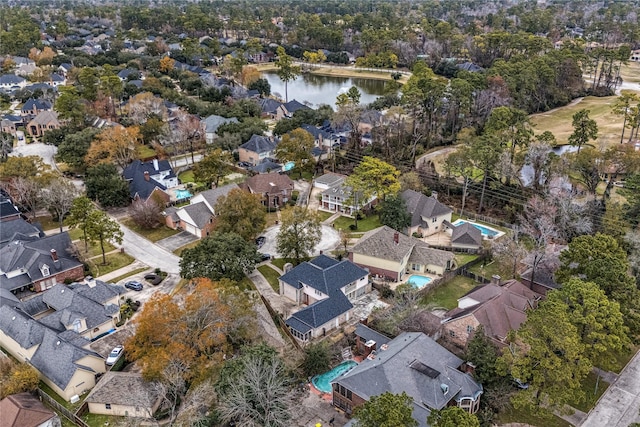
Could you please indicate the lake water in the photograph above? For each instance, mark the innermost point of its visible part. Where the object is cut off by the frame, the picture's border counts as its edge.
(526, 173)
(325, 89)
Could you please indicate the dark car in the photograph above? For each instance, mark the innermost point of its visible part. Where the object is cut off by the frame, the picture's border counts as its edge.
(133, 285)
(260, 241)
(265, 257)
(154, 279)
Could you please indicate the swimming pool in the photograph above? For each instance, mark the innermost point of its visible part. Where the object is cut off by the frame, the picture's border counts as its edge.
(418, 282)
(323, 381)
(486, 231)
(182, 194)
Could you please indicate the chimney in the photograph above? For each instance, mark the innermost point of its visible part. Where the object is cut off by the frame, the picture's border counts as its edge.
(495, 279)
(155, 164)
(396, 237)
(321, 252)
(146, 175)
(434, 194)
(54, 254)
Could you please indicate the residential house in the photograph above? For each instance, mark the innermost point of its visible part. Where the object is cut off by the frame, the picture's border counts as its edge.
(542, 279)
(8, 211)
(321, 138)
(7, 126)
(38, 264)
(427, 213)
(211, 125)
(64, 68)
(64, 361)
(57, 80)
(25, 69)
(18, 229)
(26, 410)
(368, 340)
(33, 107)
(328, 180)
(272, 109)
(465, 236)
(498, 308)
(388, 253)
(293, 106)
(9, 82)
(129, 74)
(326, 287)
(339, 197)
(150, 180)
(414, 364)
(123, 394)
(274, 189)
(256, 149)
(44, 121)
(197, 218)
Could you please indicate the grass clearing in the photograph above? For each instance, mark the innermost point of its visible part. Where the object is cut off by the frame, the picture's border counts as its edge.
(447, 295)
(153, 234)
(621, 359)
(271, 275)
(324, 215)
(70, 406)
(47, 222)
(129, 274)
(94, 249)
(186, 176)
(341, 71)
(462, 259)
(246, 284)
(100, 419)
(523, 416)
(115, 261)
(490, 269)
(144, 151)
(365, 224)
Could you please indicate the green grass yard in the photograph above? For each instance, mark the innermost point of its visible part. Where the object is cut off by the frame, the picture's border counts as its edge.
(271, 275)
(115, 261)
(129, 274)
(365, 224)
(591, 394)
(447, 295)
(153, 234)
(186, 176)
(179, 251)
(144, 151)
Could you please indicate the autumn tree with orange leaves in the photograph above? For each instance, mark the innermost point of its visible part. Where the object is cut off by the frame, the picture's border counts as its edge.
(196, 333)
(114, 145)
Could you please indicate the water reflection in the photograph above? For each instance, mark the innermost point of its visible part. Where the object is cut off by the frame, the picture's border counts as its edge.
(526, 173)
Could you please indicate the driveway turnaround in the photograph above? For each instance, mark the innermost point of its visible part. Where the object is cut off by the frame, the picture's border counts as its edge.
(148, 252)
(329, 240)
(619, 405)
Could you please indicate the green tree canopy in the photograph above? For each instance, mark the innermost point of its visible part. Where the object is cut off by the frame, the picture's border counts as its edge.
(375, 177)
(452, 416)
(105, 185)
(393, 213)
(296, 147)
(100, 229)
(215, 165)
(584, 129)
(219, 256)
(242, 213)
(287, 71)
(300, 232)
(79, 213)
(386, 410)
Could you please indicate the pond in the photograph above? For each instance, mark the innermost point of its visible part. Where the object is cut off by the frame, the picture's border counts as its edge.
(526, 173)
(324, 89)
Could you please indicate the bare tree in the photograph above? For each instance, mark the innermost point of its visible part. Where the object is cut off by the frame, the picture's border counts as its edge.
(509, 251)
(146, 213)
(196, 404)
(26, 193)
(58, 198)
(172, 386)
(538, 223)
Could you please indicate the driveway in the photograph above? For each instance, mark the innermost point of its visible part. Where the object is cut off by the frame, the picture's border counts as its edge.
(47, 152)
(619, 405)
(176, 241)
(329, 240)
(149, 252)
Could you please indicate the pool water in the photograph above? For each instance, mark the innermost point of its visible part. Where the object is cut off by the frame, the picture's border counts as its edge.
(182, 194)
(418, 282)
(323, 381)
(484, 230)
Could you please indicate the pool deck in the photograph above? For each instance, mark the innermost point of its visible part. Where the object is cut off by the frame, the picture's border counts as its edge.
(394, 285)
(328, 396)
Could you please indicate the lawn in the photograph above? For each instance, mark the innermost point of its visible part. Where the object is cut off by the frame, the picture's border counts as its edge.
(246, 284)
(114, 261)
(524, 417)
(447, 295)
(144, 151)
(47, 222)
(462, 259)
(186, 176)
(621, 359)
(94, 249)
(101, 420)
(324, 215)
(271, 275)
(271, 218)
(280, 262)
(153, 234)
(591, 395)
(365, 224)
(129, 274)
(70, 406)
(179, 251)
(490, 269)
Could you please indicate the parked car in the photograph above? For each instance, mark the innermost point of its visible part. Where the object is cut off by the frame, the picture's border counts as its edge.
(260, 241)
(115, 354)
(133, 285)
(244, 164)
(265, 257)
(153, 278)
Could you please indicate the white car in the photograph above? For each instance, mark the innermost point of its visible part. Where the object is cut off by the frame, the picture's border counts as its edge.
(115, 354)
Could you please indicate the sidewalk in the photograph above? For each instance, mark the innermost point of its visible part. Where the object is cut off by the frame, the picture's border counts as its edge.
(122, 271)
(332, 218)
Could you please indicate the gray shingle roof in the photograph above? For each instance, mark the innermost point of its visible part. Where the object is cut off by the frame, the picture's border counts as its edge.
(466, 234)
(269, 105)
(39, 104)
(199, 214)
(259, 144)
(213, 122)
(419, 206)
(123, 388)
(212, 196)
(369, 334)
(100, 292)
(20, 327)
(45, 118)
(399, 369)
(330, 179)
(293, 106)
(17, 228)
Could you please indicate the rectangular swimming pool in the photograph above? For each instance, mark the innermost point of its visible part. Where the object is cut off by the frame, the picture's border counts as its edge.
(486, 231)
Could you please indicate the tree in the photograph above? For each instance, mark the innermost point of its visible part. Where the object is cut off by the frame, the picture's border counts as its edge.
(375, 177)
(393, 213)
(631, 192)
(17, 378)
(145, 105)
(511, 127)
(584, 129)
(386, 410)
(300, 232)
(69, 105)
(587, 164)
(6, 145)
(58, 197)
(485, 152)
(348, 115)
(255, 390)
(26, 193)
(240, 212)
(101, 229)
(411, 181)
(296, 147)
(452, 416)
(262, 86)
(538, 223)
(30, 167)
(166, 64)
(483, 354)
(622, 107)
(105, 185)
(74, 147)
(79, 213)
(316, 359)
(221, 255)
(547, 354)
(459, 163)
(146, 213)
(114, 145)
(286, 70)
(215, 165)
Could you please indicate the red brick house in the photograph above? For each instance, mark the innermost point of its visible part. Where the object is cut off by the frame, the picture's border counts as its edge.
(274, 189)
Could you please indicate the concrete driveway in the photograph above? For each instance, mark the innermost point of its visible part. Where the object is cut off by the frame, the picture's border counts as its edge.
(329, 240)
(47, 152)
(619, 405)
(148, 252)
(176, 241)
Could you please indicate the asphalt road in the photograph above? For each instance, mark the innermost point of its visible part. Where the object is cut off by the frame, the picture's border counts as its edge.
(149, 253)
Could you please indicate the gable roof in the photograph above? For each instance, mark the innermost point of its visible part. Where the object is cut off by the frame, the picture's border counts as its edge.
(330, 179)
(268, 105)
(45, 117)
(24, 410)
(368, 334)
(7, 209)
(415, 364)
(270, 182)
(18, 229)
(259, 144)
(381, 243)
(466, 234)
(11, 79)
(39, 104)
(421, 206)
(123, 388)
(135, 174)
(100, 292)
(266, 166)
(197, 214)
(293, 106)
(210, 197)
(213, 122)
(20, 327)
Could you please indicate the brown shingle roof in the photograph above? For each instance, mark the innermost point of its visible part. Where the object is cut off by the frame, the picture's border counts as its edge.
(23, 410)
(123, 388)
(270, 182)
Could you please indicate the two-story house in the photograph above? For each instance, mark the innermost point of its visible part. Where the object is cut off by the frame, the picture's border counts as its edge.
(33, 107)
(150, 179)
(325, 287)
(43, 122)
(427, 213)
(211, 125)
(257, 149)
(274, 189)
(339, 197)
(9, 82)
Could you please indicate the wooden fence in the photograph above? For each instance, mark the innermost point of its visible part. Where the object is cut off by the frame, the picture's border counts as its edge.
(277, 318)
(487, 219)
(62, 410)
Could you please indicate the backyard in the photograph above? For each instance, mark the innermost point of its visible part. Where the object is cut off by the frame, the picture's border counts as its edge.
(446, 296)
